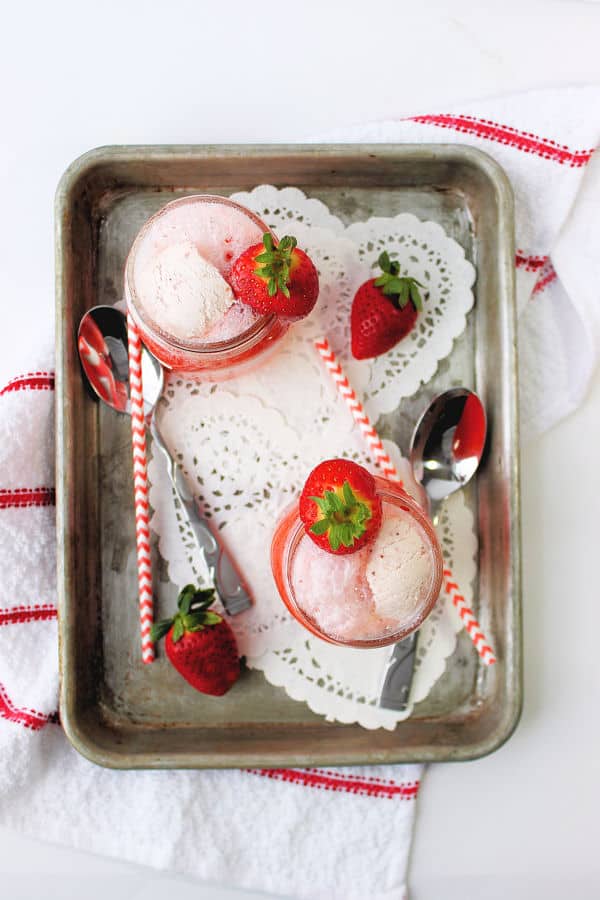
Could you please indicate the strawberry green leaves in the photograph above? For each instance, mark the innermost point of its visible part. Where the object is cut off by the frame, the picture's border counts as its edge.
(343, 517)
(273, 265)
(178, 629)
(192, 616)
(160, 629)
(399, 289)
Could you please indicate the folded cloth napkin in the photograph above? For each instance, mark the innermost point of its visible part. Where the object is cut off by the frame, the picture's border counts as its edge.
(544, 140)
(340, 833)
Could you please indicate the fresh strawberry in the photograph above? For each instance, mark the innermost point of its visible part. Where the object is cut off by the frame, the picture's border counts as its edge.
(276, 278)
(384, 310)
(339, 506)
(199, 643)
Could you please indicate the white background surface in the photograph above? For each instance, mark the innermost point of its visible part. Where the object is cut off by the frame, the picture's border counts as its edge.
(523, 822)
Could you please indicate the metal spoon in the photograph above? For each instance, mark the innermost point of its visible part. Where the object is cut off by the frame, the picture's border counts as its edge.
(447, 444)
(102, 346)
(445, 451)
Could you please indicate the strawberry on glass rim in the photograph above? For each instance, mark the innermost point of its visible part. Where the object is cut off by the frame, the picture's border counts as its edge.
(339, 506)
(276, 277)
(384, 310)
(199, 642)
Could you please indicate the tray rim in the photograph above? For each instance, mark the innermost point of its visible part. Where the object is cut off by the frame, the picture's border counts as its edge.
(79, 169)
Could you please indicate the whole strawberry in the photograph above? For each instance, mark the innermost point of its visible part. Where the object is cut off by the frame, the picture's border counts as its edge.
(276, 278)
(384, 310)
(199, 643)
(339, 506)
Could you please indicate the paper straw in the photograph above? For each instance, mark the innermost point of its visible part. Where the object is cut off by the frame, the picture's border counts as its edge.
(470, 623)
(140, 484)
(360, 417)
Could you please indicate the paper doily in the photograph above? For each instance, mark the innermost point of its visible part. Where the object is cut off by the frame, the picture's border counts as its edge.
(424, 251)
(244, 500)
(258, 464)
(246, 446)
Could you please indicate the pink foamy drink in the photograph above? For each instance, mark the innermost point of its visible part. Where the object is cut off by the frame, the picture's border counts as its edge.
(177, 287)
(369, 598)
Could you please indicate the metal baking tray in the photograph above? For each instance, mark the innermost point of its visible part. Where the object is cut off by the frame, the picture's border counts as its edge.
(120, 713)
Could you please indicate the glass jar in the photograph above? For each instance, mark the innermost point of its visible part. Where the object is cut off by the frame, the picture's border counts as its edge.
(221, 230)
(370, 598)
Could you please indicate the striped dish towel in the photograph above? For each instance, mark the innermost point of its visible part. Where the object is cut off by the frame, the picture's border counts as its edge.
(340, 833)
(545, 141)
(288, 831)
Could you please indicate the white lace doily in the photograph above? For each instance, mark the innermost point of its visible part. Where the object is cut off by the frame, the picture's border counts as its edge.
(258, 464)
(342, 684)
(246, 446)
(424, 252)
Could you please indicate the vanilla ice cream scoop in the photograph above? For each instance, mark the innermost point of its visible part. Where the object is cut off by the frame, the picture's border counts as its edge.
(399, 568)
(182, 292)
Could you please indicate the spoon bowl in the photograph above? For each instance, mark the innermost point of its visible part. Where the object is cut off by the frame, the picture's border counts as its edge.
(448, 443)
(102, 346)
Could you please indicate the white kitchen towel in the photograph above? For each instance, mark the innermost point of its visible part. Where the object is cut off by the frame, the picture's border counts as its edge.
(544, 140)
(311, 833)
(343, 833)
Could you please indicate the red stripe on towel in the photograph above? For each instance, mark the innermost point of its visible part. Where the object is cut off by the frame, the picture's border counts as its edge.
(29, 718)
(22, 497)
(530, 263)
(20, 614)
(33, 381)
(546, 277)
(511, 137)
(336, 781)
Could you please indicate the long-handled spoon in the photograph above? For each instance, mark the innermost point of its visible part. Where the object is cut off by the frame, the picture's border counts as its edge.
(445, 451)
(102, 345)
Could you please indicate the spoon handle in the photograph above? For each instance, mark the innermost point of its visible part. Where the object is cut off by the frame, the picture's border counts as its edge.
(395, 692)
(434, 511)
(230, 587)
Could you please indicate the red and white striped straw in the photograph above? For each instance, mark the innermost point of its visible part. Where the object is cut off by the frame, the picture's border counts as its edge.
(356, 408)
(383, 460)
(140, 484)
(470, 623)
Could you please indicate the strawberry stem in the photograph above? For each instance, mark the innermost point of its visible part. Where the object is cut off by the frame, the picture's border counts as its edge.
(274, 264)
(343, 517)
(192, 614)
(399, 289)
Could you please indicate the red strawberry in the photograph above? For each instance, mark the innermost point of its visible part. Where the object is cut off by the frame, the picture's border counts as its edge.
(339, 506)
(384, 311)
(276, 278)
(199, 643)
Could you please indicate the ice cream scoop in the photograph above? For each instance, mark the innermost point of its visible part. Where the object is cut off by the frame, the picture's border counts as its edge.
(102, 346)
(445, 451)
(184, 292)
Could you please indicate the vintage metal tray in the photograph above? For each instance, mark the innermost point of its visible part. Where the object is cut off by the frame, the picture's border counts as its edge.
(120, 713)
